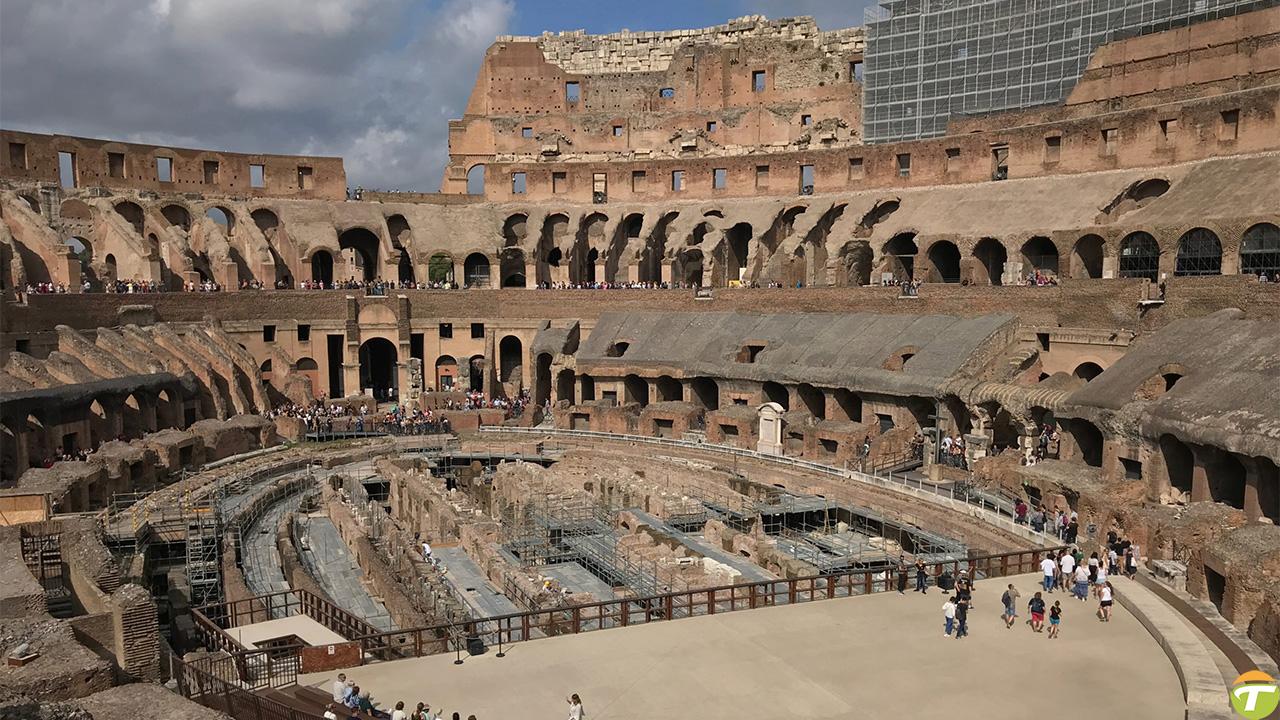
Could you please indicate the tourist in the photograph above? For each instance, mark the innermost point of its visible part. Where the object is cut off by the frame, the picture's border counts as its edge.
(1093, 567)
(1104, 602)
(902, 575)
(1049, 567)
(424, 713)
(1036, 606)
(1020, 512)
(1055, 619)
(1067, 563)
(922, 578)
(1010, 600)
(964, 588)
(399, 713)
(1130, 563)
(1100, 581)
(341, 688)
(329, 713)
(575, 707)
(948, 616)
(1081, 587)
(962, 618)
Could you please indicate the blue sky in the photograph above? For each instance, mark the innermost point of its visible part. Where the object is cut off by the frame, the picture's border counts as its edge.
(374, 81)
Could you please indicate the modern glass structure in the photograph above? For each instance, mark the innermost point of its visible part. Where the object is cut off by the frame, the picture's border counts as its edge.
(927, 60)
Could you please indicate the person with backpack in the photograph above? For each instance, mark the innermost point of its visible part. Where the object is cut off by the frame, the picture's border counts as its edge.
(922, 578)
(1055, 619)
(1010, 600)
(1036, 606)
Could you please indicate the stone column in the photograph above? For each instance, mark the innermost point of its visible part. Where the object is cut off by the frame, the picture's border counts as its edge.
(530, 274)
(1199, 474)
(1252, 479)
(459, 272)
(665, 271)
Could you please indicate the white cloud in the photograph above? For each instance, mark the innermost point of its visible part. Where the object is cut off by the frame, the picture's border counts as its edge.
(372, 80)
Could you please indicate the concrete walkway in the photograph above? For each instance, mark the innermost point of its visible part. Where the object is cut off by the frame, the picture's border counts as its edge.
(330, 560)
(881, 656)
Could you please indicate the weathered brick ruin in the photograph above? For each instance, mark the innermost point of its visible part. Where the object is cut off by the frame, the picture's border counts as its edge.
(680, 236)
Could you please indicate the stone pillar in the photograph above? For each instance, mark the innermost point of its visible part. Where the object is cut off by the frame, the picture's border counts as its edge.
(665, 271)
(600, 268)
(1110, 266)
(633, 273)
(459, 272)
(531, 274)
(227, 276)
(73, 274)
(770, 441)
(1199, 474)
(1252, 479)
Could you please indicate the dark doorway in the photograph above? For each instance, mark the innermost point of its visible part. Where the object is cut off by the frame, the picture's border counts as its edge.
(378, 368)
(322, 268)
(333, 348)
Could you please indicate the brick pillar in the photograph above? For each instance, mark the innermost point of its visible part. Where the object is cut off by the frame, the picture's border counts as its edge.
(531, 274)
(665, 271)
(1199, 474)
(1252, 479)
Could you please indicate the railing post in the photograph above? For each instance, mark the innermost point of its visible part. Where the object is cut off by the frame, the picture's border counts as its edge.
(625, 606)
(711, 601)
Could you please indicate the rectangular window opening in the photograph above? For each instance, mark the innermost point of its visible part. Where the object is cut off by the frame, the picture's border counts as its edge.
(855, 169)
(639, 178)
(115, 165)
(711, 126)
(1043, 340)
(559, 182)
(1168, 130)
(806, 120)
(855, 71)
(68, 173)
(1132, 469)
(806, 180)
(18, 155)
(904, 164)
(572, 92)
(758, 79)
(1230, 128)
(304, 333)
(1110, 138)
(210, 172)
(953, 160)
(677, 180)
(306, 180)
(762, 177)
(599, 187)
(446, 331)
(164, 169)
(517, 183)
(617, 131)
(257, 175)
(1052, 149)
(526, 132)
(667, 93)
(268, 333)
(719, 178)
(477, 331)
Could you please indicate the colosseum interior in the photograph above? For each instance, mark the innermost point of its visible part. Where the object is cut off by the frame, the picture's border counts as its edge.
(670, 341)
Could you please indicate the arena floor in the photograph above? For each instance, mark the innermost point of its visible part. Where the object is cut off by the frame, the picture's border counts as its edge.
(869, 657)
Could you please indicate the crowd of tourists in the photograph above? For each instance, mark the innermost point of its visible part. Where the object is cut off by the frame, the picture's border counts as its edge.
(952, 452)
(378, 286)
(617, 286)
(349, 699)
(512, 407)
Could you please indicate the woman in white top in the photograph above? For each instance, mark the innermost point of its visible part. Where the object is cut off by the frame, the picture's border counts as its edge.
(1104, 603)
(575, 708)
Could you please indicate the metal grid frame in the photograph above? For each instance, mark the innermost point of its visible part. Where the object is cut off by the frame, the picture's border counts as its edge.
(927, 60)
(1260, 251)
(1199, 253)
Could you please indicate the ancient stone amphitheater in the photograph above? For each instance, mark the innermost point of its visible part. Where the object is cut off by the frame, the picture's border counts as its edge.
(671, 342)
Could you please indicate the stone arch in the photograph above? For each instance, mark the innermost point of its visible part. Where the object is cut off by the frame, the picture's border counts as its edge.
(378, 363)
(1135, 196)
(1140, 256)
(511, 268)
(1260, 251)
(1087, 371)
(850, 404)
(399, 232)
(308, 368)
(1226, 478)
(991, 256)
(132, 214)
(944, 262)
(364, 244)
(475, 179)
(854, 268)
(565, 386)
(510, 360)
(1040, 253)
(687, 267)
(31, 203)
(587, 244)
(404, 268)
(110, 270)
(635, 390)
(706, 392)
(876, 215)
(177, 216)
(266, 220)
(1199, 253)
(1179, 464)
(776, 393)
(548, 253)
(737, 247)
(440, 267)
(813, 400)
(322, 267)
(1087, 256)
(793, 269)
(446, 373)
(515, 229)
(223, 216)
(1088, 440)
(542, 378)
(475, 270)
(475, 369)
(899, 255)
(669, 389)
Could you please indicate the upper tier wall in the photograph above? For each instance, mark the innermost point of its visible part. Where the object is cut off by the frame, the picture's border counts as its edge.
(131, 166)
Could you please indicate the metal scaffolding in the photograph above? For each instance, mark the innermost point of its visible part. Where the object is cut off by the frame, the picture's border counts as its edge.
(927, 60)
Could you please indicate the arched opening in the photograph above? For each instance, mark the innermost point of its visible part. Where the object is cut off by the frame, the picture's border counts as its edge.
(1268, 488)
(265, 371)
(378, 361)
(223, 217)
(440, 268)
(514, 229)
(132, 213)
(109, 271)
(617, 349)
(1088, 439)
(475, 180)
(855, 263)
(813, 400)
(177, 216)
(1039, 254)
(1260, 251)
(1199, 253)
(705, 392)
(1179, 464)
(900, 256)
(363, 244)
(83, 253)
(476, 369)
(398, 231)
(776, 393)
(850, 404)
(669, 389)
(737, 246)
(588, 384)
(266, 220)
(992, 256)
(322, 268)
(476, 270)
(944, 257)
(404, 268)
(510, 360)
(1140, 257)
(1087, 371)
(564, 386)
(1086, 257)
(1226, 476)
(511, 266)
(688, 267)
(446, 373)
(134, 425)
(308, 368)
(542, 379)
(635, 390)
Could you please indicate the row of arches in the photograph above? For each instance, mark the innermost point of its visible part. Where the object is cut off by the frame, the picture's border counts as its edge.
(1198, 253)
